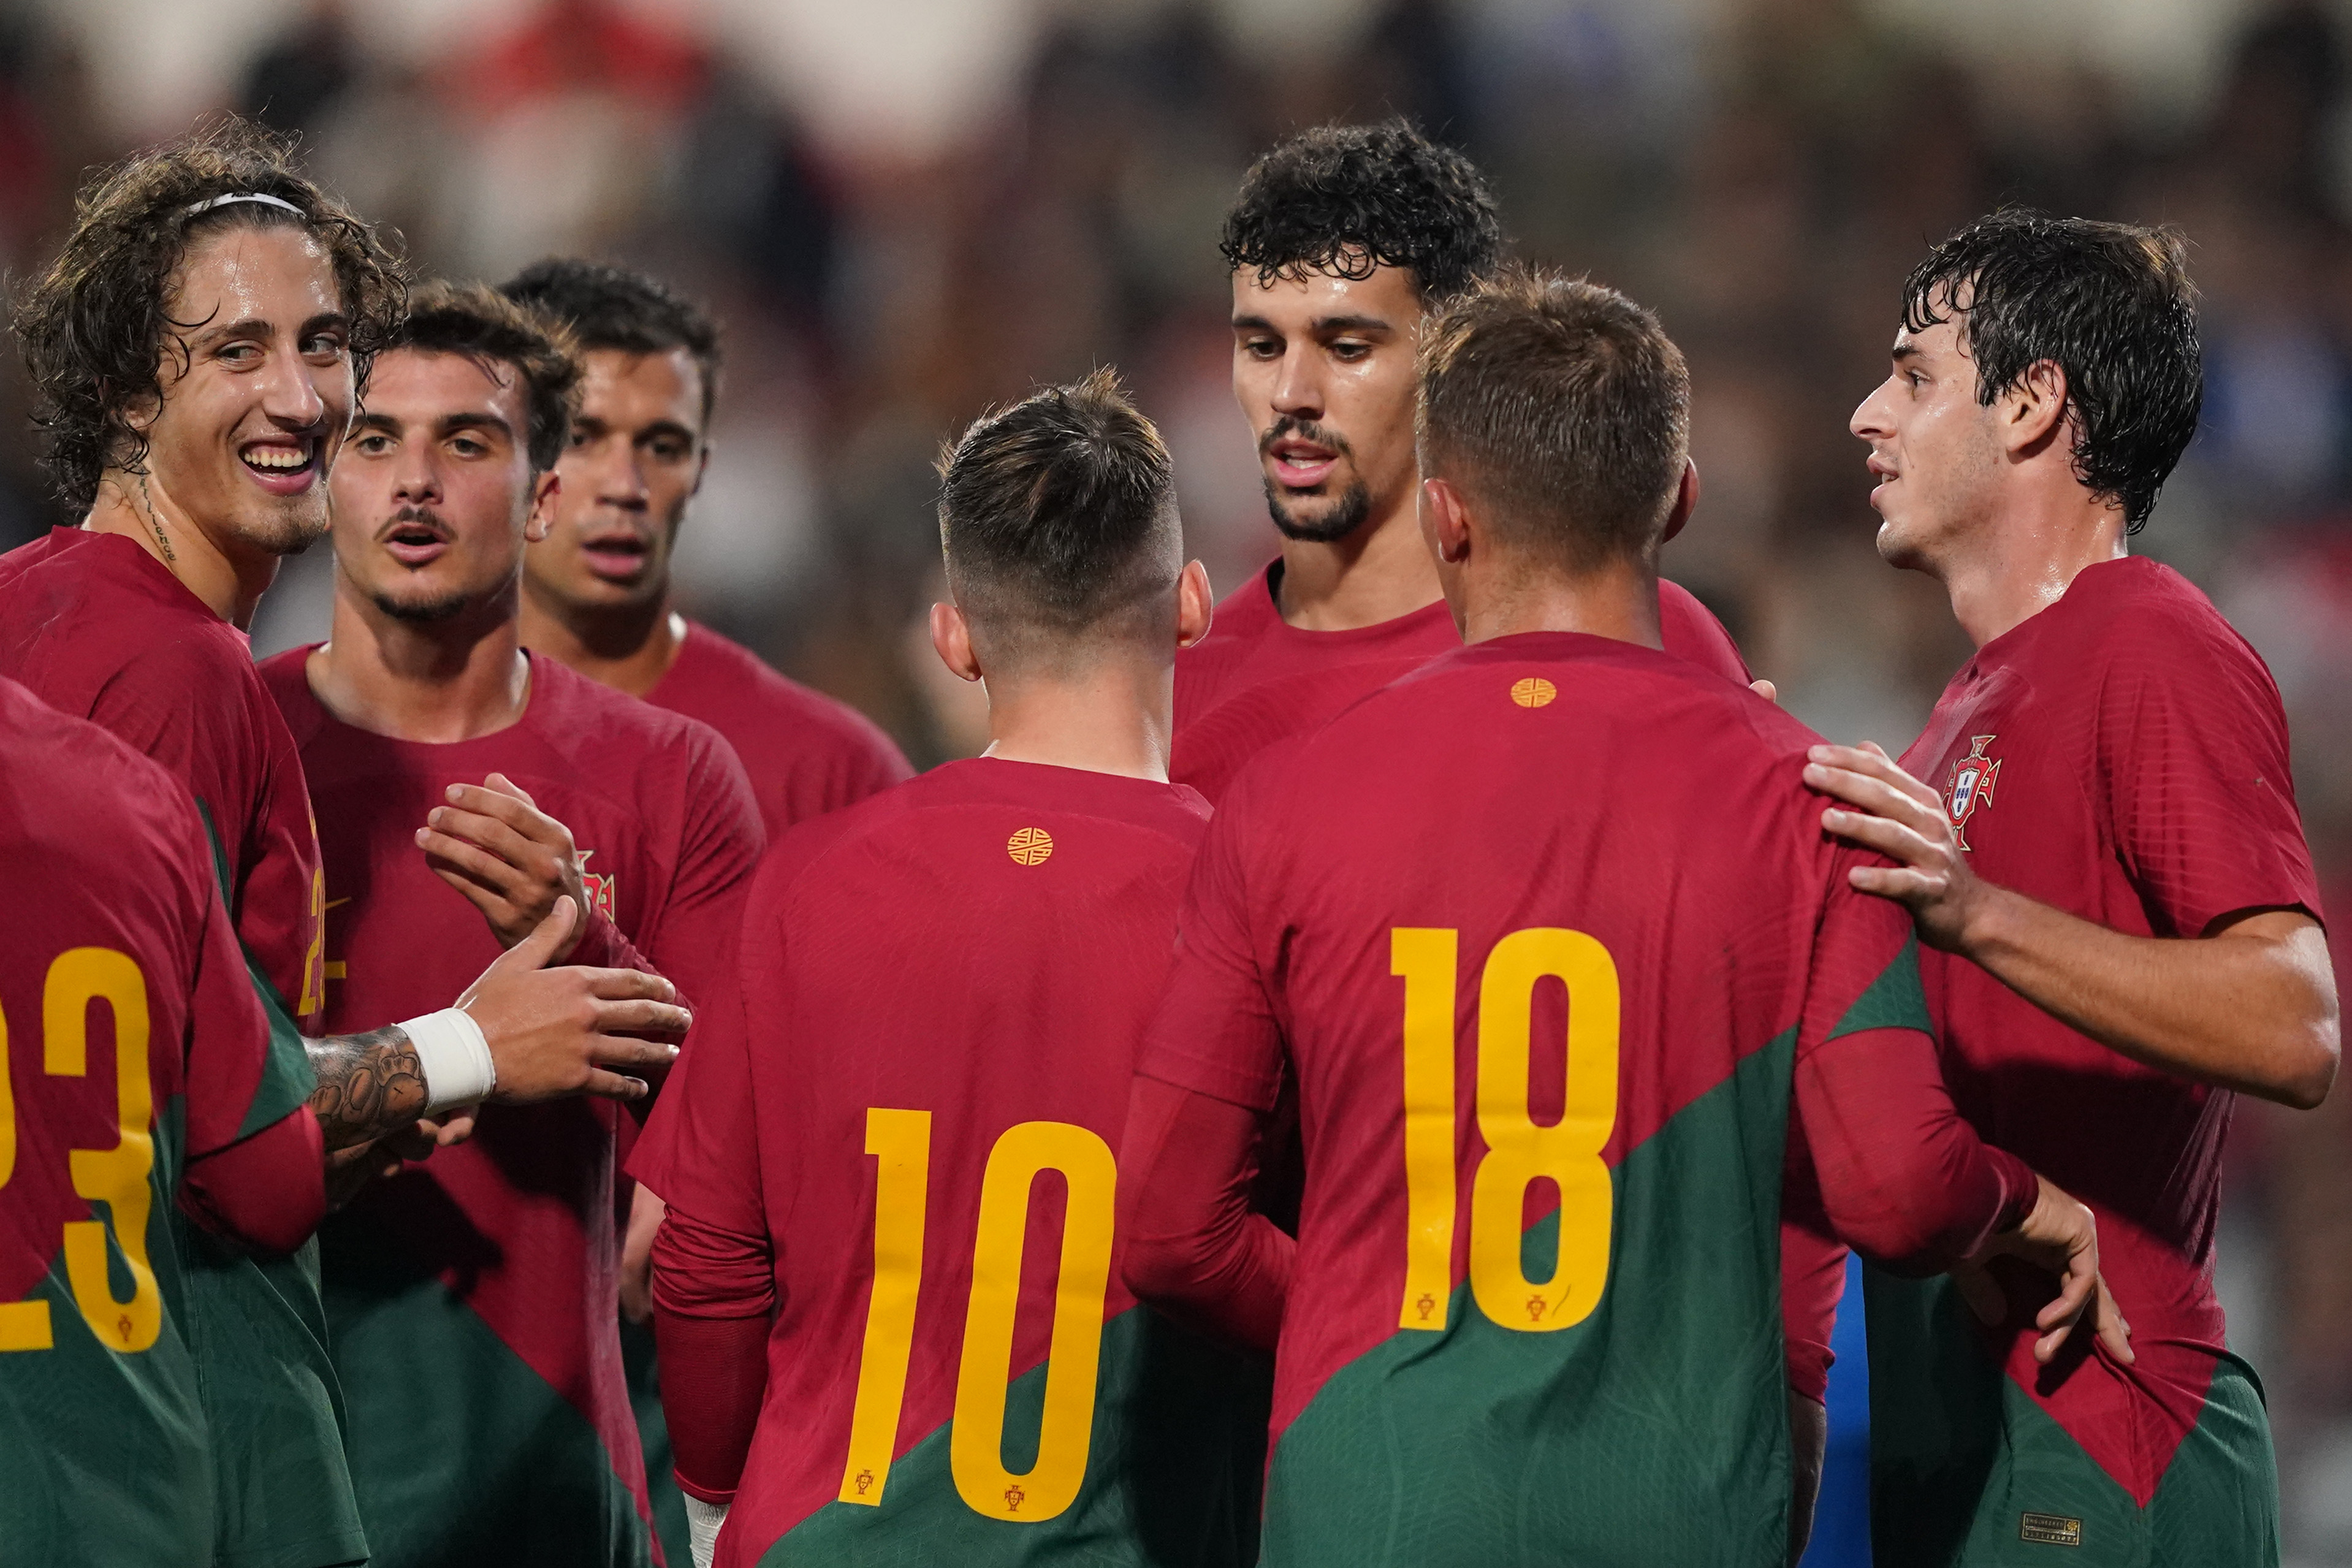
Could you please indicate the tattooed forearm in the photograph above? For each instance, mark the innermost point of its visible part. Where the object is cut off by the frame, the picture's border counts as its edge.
(369, 1085)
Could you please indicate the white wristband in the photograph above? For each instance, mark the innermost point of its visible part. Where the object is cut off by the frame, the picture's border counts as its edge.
(702, 1523)
(454, 1058)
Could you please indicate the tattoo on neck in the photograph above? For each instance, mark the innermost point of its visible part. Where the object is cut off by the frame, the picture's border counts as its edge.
(156, 523)
(369, 1085)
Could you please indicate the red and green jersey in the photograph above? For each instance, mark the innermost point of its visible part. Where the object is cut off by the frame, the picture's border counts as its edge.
(806, 754)
(131, 1044)
(474, 1297)
(909, 1147)
(1256, 677)
(2121, 756)
(1541, 932)
(99, 628)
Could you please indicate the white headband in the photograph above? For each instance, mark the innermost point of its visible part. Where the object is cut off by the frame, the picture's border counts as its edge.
(234, 197)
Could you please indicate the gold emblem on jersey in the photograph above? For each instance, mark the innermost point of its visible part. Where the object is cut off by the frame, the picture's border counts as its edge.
(1969, 785)
(2049, 1528)
(1533, 691)
(598, 888)
(1029, 846)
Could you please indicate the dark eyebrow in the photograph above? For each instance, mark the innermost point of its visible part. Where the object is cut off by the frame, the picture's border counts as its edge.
(384, 423)
(1905, 350)
(450, 424)
(1252, 323)
(1352, 324)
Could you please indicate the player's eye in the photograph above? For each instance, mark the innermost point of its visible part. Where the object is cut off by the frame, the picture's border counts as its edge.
(323, 345)
(469, 446)
(374, 446)
(579, 437)
(241, 354)
(1262, 348)
(1350, 350)
(670, 451)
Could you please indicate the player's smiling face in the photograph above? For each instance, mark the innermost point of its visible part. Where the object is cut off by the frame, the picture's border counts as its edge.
(637, 458)
(257, 391)
(1323, 368)
(1934, 448)
(435, 495)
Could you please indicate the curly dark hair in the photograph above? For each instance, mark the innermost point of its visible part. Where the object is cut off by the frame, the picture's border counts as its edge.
(1343, 199)
(479, 323)
(610, 307)
(2108, 304)
(94, 327)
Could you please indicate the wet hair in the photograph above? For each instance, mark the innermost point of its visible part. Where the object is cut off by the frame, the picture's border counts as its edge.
(478, 321)
(610, 307)
(2108, 304)
(95, 326)
(1344, 199)
(1563, 407)
(1058, 517)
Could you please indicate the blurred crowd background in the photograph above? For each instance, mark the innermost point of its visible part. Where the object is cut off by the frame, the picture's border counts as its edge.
(907, 209)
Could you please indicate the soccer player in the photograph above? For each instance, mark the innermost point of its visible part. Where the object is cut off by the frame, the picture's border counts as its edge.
(596, 595)
(194, 350)
(472, 1300)
(596, 590)
(2096, 836)
(1341, 242)
(133, 1060)
(900, 1144)
(1544, 929)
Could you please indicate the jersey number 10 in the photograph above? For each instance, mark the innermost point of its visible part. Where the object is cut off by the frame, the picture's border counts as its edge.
(900, 1142)
(117, 1176)
(1519, 1150)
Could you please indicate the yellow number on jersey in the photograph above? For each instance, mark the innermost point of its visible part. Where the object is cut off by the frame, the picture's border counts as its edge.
(117, 1178)
(900, 1139)
(1518, 1149)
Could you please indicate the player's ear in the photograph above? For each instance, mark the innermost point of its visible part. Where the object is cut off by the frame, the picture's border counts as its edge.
(1685, 500)
(1196, 604)
(1444, 520)
(951, 639)
(2034, 409)
(544, 488)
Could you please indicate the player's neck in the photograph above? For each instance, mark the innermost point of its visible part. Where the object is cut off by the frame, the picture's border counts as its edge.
(2023, 560)
(231, 585)
(1378, 573)
(627, 646)
(1619, 601)
(1115, 717)
(438, 681)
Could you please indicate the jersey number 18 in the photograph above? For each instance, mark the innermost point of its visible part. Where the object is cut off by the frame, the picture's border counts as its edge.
(1519, 1150)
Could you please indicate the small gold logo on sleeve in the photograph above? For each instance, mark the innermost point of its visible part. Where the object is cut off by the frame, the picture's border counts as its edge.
(2051, 1530)
(1029, 846)
(1533, 691)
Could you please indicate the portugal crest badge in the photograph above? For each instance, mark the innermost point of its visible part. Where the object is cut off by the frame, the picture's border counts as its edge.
(599, 889)
(1969, 785)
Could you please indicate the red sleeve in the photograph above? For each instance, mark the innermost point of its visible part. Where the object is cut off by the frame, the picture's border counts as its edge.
(714, 1375)
(1904, 1178)
(172, 703)
(1216, 1032)
(713, 1257)
(2192, 751)
(269, 1192)
(1194, 1248)
(1689, 630)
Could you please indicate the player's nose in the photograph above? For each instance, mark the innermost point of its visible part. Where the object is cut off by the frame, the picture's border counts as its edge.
(290, 394)
(1298, 390)
(1870, 422)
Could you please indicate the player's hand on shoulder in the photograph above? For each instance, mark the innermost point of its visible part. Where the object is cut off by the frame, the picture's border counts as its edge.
(1885, 809)
(2060, 1235)
(556, 1032)
(494, 845)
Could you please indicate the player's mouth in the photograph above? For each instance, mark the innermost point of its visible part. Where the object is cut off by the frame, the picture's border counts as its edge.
(1299, 464)
(416, 539)
(617, 557)
(284, 466)
(1885, 475)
